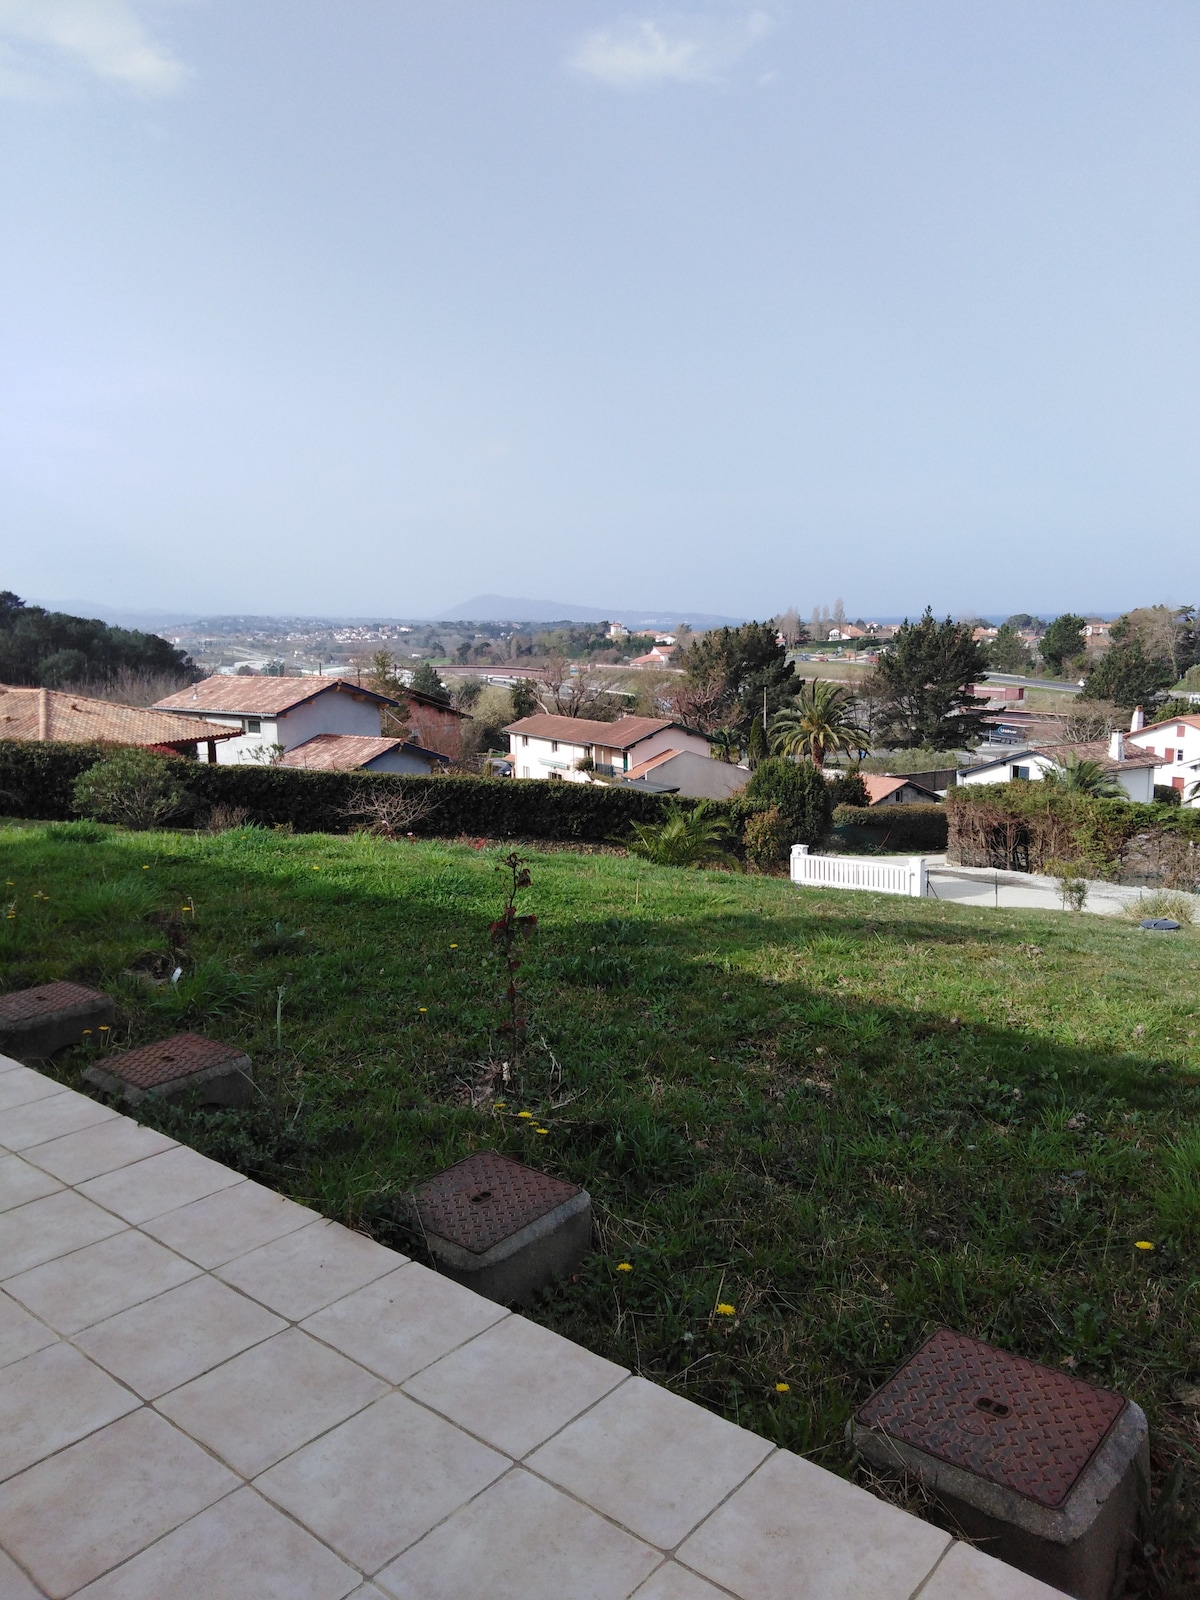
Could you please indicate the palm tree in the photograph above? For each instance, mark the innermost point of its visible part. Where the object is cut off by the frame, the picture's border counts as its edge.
(1081, 775)
(685, 838)
(821, 723)
(726, 744)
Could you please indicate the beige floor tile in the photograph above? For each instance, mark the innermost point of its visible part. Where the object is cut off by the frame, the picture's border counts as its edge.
(74, 1516)
(521, 1540)
(308, 1269)
(14, 1585)
(376, 1484)
(673, 1582)
(19, 1086)
(20, 1335)
(655, 1462)
(515, 1384)
(78, 1156)
(239, 1549)
(403, 1322)
(168, 1341)
(797, 1532)
(229, 1223)
(51, 1118)
(97, 1282)
(44, 1229)
(267, 1402)
(159, 1184)
(20, 1183)
(367, 1592)
(967, 1574)
(49, 1400)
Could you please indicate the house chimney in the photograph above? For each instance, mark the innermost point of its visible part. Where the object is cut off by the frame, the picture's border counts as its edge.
(1116, 746)
(1138, 720)
(43, 715)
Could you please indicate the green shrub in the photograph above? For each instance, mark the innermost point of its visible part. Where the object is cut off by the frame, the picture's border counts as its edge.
(688, 836)
(1025, 826)
(131, 786)
(766, 839)
(1166, 794)
(796, 790)
(848, 789)
(903, 827)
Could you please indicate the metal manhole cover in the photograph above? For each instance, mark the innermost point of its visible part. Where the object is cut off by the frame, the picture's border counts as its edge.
(486, 1198)
(152, 1065)
(1010, 1421)
(26, 1005)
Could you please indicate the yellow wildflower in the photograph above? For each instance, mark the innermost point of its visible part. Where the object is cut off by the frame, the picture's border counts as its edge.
(528, 1114)
(1143, 1244)
(624, 1266)
(423, 1010)
(499, 1105)
(725, 1310)
(783, 1388)
(454, 947)
(541, 1130)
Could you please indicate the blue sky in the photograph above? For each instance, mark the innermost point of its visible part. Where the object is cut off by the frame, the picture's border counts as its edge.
(364, 306)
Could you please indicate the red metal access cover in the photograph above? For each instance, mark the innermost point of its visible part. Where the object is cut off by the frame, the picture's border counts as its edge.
(1025, 1427)
(168, 1060)
(486, 1198)
(27, 1005)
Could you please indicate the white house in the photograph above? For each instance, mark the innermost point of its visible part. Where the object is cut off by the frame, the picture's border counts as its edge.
(270, 712)
(888, 790)
(1176, 745)
(1132, 770)
(545, 746)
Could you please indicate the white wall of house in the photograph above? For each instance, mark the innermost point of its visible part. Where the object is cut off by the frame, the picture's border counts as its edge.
(1137, 782)
(1178, 746)
(547, 758)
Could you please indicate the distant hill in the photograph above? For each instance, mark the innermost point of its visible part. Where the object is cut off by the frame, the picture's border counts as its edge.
(511, 608)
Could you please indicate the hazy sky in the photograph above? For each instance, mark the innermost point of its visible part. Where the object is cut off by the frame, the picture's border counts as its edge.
(371, 305)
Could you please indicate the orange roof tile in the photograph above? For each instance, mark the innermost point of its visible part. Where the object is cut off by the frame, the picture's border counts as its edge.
(61, 718)
(226, 694)
(619, 735)
(346, 752)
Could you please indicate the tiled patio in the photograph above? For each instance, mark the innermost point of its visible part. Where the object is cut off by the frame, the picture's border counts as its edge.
(208, 1392)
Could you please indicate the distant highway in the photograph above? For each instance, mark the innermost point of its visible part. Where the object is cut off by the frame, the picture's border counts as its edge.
(1034, 683)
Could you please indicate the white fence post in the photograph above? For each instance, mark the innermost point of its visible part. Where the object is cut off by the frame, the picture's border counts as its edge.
(905, 875)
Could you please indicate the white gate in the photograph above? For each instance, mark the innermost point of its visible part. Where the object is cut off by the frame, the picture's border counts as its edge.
(881, 874)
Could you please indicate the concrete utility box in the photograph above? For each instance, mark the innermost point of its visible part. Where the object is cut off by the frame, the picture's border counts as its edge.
(184, 1066)
(34, 1023)
(503, 1229)
(1036, 1466)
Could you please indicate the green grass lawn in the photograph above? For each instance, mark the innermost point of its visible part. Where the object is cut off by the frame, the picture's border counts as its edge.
(850, 1117)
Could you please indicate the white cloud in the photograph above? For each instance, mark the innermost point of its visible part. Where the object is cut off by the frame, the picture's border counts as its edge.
(46, 45)
(638, 53)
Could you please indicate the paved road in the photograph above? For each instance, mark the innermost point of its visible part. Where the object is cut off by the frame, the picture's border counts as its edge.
(1034, 683)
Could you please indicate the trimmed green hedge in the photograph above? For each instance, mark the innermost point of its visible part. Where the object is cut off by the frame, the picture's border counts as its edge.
(36, 780)
(906, 827)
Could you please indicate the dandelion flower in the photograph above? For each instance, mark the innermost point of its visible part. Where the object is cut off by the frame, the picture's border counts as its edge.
(624, 1266)
(146, 868)
(104, 1027)
(499, 1105)
(423, 1010)
(783, 1388)
(527, 1114)
(1143, 1244)
(541, 1130)
(454, 947)
(725, 1310)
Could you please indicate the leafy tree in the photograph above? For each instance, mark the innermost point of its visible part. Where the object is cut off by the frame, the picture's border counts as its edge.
(737, 667)
(923, 685)
(524, 698)
(725, 744)
(1007, 653)
(1062, 642)
(1127, 676)
(756, 748)
(425, 680)
(384, 675)
(766, 839)
(799, 792)
(686, 837)
(1022, 622)
(1166, 633)
(133, 787)
(821, 723)
(1081, 775)
(53, 648)
(848, 789)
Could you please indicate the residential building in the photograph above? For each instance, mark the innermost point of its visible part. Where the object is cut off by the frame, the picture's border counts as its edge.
(358, 752)
(658, 656)
(263, 713)
(573, 748)
(1132, 770)
(685, 773)
(896, 791)
(1176, 745)
(53, 716)
(616, 630)
(845, 632)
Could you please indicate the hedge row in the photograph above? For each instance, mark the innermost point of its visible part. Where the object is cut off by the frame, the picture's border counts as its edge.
(905, 827)
(36, 781)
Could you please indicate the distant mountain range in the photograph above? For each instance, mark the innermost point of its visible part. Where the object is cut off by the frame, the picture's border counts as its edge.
(512, 608)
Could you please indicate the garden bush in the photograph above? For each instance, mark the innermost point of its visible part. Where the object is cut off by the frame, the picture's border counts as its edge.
(131, 786)
(904, 827)
(797, 790)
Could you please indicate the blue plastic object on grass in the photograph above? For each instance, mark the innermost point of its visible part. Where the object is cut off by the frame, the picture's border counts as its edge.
(1160, 925)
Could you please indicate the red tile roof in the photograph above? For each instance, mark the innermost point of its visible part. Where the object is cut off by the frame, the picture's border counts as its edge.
(226, 694)
(61, 718)
(649, 765)
(346, 752)
(619, 735)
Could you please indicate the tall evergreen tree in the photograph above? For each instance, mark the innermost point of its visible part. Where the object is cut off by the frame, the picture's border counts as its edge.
(924, 684)
(1063, 641)
(738, 666)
